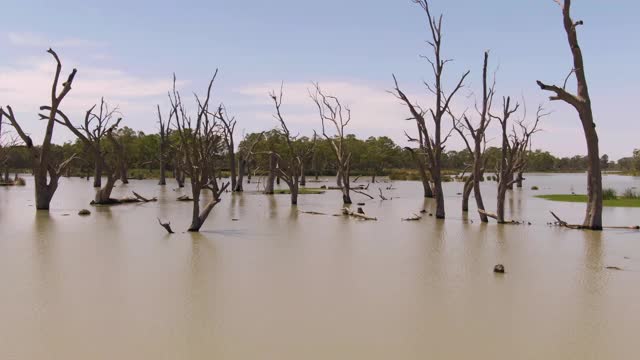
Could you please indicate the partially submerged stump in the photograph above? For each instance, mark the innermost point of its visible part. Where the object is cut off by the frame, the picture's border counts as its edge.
(84, 212)
(166, 226)
(562, 223)
(498, 269)
(184, 198)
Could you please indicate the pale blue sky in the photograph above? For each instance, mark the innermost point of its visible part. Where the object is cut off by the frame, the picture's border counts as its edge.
(127, 51)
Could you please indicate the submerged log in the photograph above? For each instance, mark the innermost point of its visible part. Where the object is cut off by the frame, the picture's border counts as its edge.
(184, 198)
(362, 193)
(312, 212)
(562, 223)
(142, 198)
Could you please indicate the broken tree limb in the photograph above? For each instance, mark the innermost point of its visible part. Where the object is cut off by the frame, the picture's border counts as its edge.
(382, 196)
(349, 212)
(494, 216)
(166, 225)
(142, 198)
(312, 212)
(184, 198)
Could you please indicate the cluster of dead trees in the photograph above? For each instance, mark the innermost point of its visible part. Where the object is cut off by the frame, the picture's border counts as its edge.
(206, 138)
(516, 134)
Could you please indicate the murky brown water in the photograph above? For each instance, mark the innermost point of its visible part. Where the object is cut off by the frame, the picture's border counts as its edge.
(278, 284)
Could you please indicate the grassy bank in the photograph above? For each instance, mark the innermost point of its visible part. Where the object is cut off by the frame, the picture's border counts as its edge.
(616, 202)
(301, 191)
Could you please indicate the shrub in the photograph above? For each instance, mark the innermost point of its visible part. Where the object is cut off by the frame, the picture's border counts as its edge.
(609, 194)
(535, 188)
(630, 194)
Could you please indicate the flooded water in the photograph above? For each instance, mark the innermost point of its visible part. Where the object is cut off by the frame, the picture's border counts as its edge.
(279, 284)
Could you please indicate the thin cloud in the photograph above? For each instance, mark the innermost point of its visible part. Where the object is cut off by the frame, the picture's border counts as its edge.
(27, 39)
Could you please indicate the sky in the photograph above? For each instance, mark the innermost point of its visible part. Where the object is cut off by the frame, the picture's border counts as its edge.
(127, 52)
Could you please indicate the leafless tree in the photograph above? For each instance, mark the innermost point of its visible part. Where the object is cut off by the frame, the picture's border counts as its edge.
(290, 163)
(98, 125)
(229, 127)
(332, 111)
(46, 172)
(245, 158)
(200, 143)
(582, 103)
(165, 132)
(434, 142)
(477, 134)
(514, 149)
(6, 143)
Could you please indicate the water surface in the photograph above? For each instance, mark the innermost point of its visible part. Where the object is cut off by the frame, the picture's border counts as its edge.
(279, 284)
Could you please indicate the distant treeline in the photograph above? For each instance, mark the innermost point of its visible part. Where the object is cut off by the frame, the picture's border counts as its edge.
(371, 156)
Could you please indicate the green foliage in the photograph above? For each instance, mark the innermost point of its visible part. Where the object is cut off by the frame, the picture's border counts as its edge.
(609, 194)
(617, 202)
(630, 194)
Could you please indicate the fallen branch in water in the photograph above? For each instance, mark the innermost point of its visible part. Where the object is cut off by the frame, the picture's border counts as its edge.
(184, 198)
(142, 198)
(312, 212)
(349, 212)
(382, 196)
(166, 225)
(562, 223)
(494, 216)
(362, 193)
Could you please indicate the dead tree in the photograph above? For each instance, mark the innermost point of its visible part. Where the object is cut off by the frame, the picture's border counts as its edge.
(331, 110)
(245, 158)
(164, 144)
(269, 188)
(477, 134)
(199, 144)
(290, 163)
(100, 123)
(434, 142)
(229, 127)
(513, 152)
(45, 170)
(582, 103)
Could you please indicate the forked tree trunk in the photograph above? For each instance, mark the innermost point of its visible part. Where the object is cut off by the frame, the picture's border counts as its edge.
(103, 195)
(273, 161)
(44, 191)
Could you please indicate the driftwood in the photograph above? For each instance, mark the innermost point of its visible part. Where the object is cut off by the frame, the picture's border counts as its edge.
(312, 212)
(166, 225)
(349, 212)
(562, 223)
(184, 198)
(363, 193)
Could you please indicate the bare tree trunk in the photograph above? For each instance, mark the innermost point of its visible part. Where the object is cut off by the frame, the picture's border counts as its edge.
(519, 179)
(97, 173)
(232, 168)
(163, 174)
(241, 170)
(466, 193)
(373, 177)
(303, 176)
(346, 187)
(44, 191)
(103, 196)
(273, 161)
(502, 193)
(339, 179)
(124, 176)
(437, 182)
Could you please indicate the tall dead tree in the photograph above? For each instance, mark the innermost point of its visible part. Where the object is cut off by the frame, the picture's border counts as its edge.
(98, 125)
(582, 103)
(477, 134)
(199, 143)
(434, 142)
(97, 135)
(46, 172)
(290, 163)
(229, 127)
(419, 156)
(165, 131)
(331, 110)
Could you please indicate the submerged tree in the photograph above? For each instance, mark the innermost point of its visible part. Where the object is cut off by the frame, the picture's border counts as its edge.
(433, 142)
(246, 155)
(290, 161)
(165, 131)
(331, 110)
(477, 134)
(97, 125)
(582, 103)
(514, 150)
(229, 127)
(46, 171)
(199, 143)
